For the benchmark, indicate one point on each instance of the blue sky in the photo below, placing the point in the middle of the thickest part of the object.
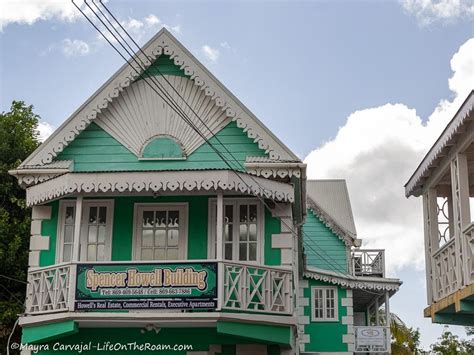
(323, 76)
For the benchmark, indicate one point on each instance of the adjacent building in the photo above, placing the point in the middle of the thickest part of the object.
(445, 179)
(165, 213)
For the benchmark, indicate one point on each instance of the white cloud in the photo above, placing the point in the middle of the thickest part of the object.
(152, 20)
(376, 151)
(30, 11)
(430, 11)
(74, 47)
(211, 53)
(45, 130)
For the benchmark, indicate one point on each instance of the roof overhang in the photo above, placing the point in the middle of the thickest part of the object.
(463, 117)
(158, 182)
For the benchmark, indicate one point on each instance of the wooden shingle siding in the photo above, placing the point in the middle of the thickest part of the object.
(95, 150)
(325, 250)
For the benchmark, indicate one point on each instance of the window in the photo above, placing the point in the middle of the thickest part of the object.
(324, 303)
(67, 216)
(243, 229)
(96, 230)
(160, 232)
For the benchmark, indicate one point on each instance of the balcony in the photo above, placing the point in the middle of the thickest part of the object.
(368, 262)
(161, 287)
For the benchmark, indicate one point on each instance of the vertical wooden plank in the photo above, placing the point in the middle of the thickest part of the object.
(430, 217)
(219, 248)
(77, 229)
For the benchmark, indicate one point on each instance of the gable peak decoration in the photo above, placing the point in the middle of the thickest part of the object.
(163, 43)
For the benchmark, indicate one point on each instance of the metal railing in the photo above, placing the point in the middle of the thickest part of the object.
(242, 287)
(372, 339)
(368, 262)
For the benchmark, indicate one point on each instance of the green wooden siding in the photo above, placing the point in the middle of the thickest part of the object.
(123, 228)
(163, 65)
(325, 336)
(96, 150)
(323, 248)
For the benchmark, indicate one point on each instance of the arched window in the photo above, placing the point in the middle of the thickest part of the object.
(162, 148)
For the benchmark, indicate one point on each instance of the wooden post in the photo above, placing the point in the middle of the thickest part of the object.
(219, 248)
(77, 229)
(430, 216)
(377, 320)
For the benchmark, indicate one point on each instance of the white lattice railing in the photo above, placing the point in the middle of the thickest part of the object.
(248, 288)
(257, 288)
(48, 289)
(368, 262)
(446, 278)
(372, 339)
(468, 253)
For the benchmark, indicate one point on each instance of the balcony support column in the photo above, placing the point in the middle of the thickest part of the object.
(77, 229)
(461, 213)
(219, 248)
(430, 216)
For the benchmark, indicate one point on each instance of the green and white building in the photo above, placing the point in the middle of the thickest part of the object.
(150, 230)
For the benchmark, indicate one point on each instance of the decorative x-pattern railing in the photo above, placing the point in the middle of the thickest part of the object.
(257, 288)
(469, 253)
(48, 289)
(445, 270)
(368, 262)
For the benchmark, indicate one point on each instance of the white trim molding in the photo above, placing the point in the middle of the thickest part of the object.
(353, 282)
(163, 43)
(161, 181)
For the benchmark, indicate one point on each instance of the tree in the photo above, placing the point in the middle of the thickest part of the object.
(450, 344)
(18, 138)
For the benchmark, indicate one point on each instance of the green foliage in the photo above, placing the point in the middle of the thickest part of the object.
(450, 344)
(18, 138)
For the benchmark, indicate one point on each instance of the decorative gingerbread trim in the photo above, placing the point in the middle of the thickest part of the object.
(162, 181)
(162, 43)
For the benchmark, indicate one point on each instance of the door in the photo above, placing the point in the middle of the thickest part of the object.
(96, 230)
(160, 232)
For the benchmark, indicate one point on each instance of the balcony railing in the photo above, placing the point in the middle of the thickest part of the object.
(368, 262)
(237, 286)
(372, 339)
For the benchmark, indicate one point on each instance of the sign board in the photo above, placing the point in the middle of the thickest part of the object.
(370, 336)
(146, 286)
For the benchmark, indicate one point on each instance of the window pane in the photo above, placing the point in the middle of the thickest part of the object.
(91, 252)
(67, 252)
(228, 233)
(68, 234)
(172, 254)
(147, 238)
(173, 238)
(253, 251)
(69, 215)
(229, 213)
(160, 218)
(102, 215)
(147, 254)
(242, 251)
(243, 232)
(92, 235)
(147, 218)
(101, 234)
(243, 213)
(253, 213)
(92, 215)
(173, 218)
(160, 237)
(160, 254)
(253, 232)
(101, 252)
(228, 251)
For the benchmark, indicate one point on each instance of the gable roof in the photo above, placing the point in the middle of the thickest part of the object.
(451, 134)
(329, 199)
(162, 43)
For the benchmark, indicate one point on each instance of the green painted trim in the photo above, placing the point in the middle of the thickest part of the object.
(48, 332)
(163, 65)
(454, 318)
(260, 332)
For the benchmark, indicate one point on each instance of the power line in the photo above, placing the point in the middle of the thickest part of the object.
(179, 110)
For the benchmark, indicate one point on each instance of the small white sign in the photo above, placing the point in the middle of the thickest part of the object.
(370, 336)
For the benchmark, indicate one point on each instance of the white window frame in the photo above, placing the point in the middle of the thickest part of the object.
(63, 204)
(109, 231)
(183, 242)
(211, 251)
(336, 304)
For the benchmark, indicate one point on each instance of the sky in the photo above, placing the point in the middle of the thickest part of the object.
(357, 89)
